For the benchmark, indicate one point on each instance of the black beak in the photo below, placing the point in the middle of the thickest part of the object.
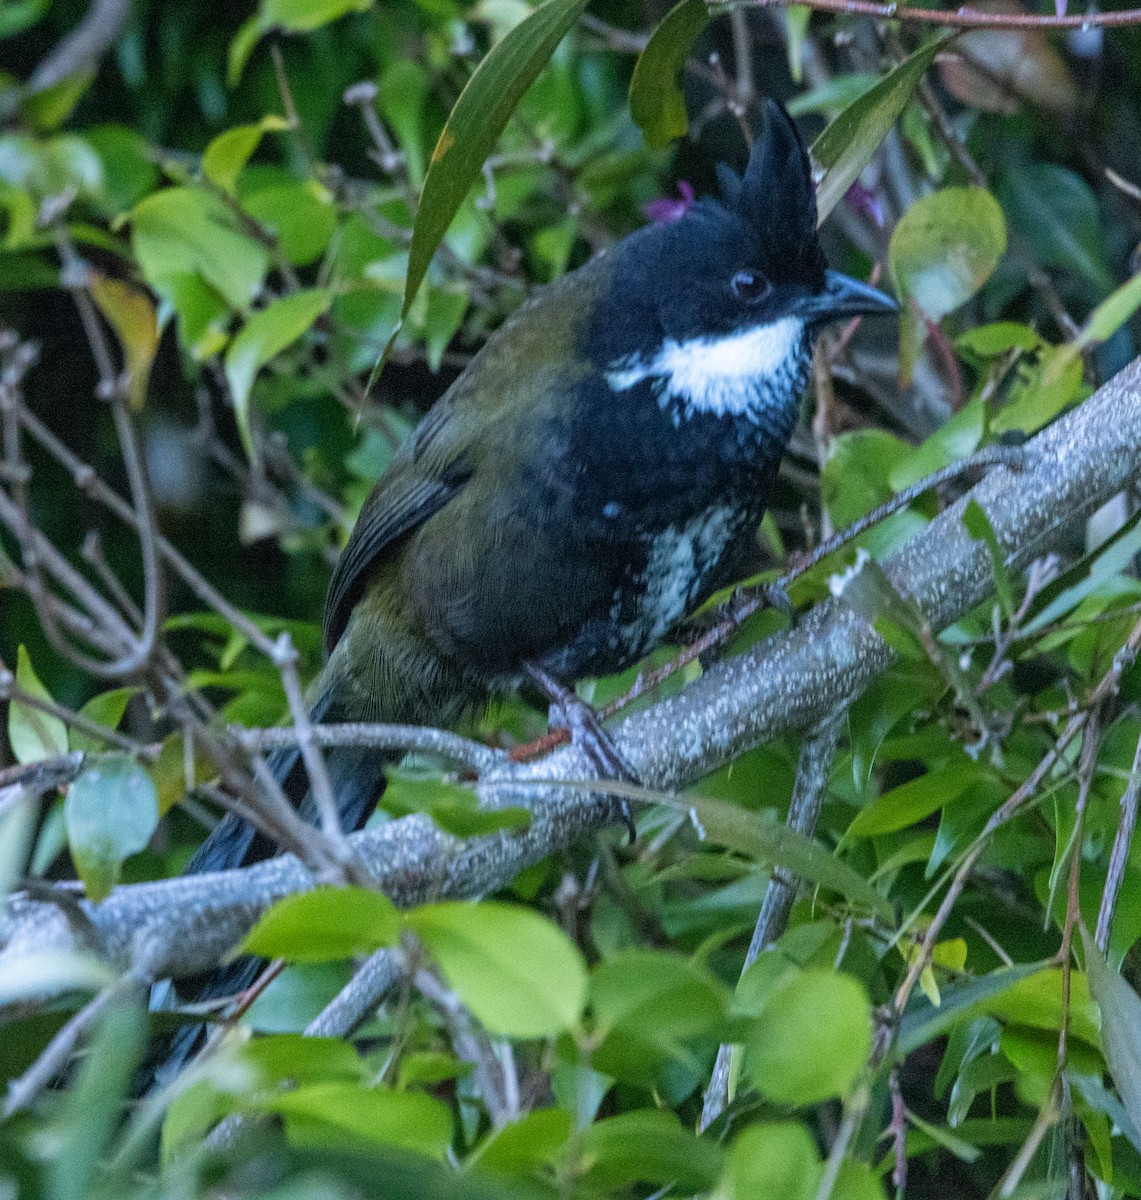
(844, 297)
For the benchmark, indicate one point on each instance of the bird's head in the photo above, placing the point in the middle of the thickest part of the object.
(733, 290)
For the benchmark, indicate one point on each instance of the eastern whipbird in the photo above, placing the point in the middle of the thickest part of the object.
(598, 470)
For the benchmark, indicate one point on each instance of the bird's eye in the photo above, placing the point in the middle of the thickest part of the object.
(750, 287)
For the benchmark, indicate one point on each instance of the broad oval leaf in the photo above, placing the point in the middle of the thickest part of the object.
(111, 811)
(182, 232)
(324, 925)
(1057, 214)
(519, 974)
(656, 102)
(945, 247)
(647, 1005)
(475, 123)
(771, 1160)
(846, 147)
(264, 335)
(320, 1114)
(812, 1038)
(648, 1146)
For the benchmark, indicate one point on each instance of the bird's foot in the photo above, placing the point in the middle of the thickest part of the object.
(586, 731)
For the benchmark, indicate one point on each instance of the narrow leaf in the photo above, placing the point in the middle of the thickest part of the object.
(846, 147)
(1120, 1008)
(478, 118)
(656, 101)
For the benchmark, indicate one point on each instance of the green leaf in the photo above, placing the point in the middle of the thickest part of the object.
(846, 147)
(32, 734)
(771, 1160)
(648, 1146)
(91, 1109)
(322, 1114)
(988, 341)
(106, 709)
(656, 102)
(18, 15)
(812, 1038)
(979, 527)
(956, 438)
(45, 974)
(1040, 391)
(403, 95)
(111, 811)
(303, 16)
(1120, 1009)
(454, 807)
(128, 170)
(526, 1145)
(323, 925)
(775, 844)
(519, 974)
(912, 801)
(475, 123)
(186, 231)
(646, 1005)
(943, 249)
(302, 216)
(295, 1058)
(263, 336)
(229, 152)
(1111, 314)
(923, 1022)
(1056, 213)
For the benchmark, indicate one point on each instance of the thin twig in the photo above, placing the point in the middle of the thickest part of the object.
(816, 754)
(1106, 688)
(961, 18)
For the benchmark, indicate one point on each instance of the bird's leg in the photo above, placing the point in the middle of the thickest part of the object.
(587, 733)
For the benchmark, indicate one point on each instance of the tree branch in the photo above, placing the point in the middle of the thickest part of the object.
(791, 681)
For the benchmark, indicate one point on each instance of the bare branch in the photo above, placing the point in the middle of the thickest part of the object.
(960, 18)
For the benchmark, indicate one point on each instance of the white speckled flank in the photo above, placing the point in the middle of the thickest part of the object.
(731, 376)
(680, 559)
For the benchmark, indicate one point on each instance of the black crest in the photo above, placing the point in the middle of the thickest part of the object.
(776, 195)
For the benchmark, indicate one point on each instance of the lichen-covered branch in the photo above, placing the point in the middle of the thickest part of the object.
(791, 681)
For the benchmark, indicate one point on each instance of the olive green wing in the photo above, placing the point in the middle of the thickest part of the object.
(481, 419)
(402, 500)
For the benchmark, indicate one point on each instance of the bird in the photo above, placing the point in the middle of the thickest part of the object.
(597, 471)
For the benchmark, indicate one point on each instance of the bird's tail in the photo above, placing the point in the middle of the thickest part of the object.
(357, 779)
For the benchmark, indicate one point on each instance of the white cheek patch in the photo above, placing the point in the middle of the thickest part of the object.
(724, 377)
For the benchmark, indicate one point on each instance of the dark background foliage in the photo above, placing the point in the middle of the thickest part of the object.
(558, 1039)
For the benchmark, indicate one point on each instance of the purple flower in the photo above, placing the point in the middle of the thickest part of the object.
(667, 209)
(865, 202)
